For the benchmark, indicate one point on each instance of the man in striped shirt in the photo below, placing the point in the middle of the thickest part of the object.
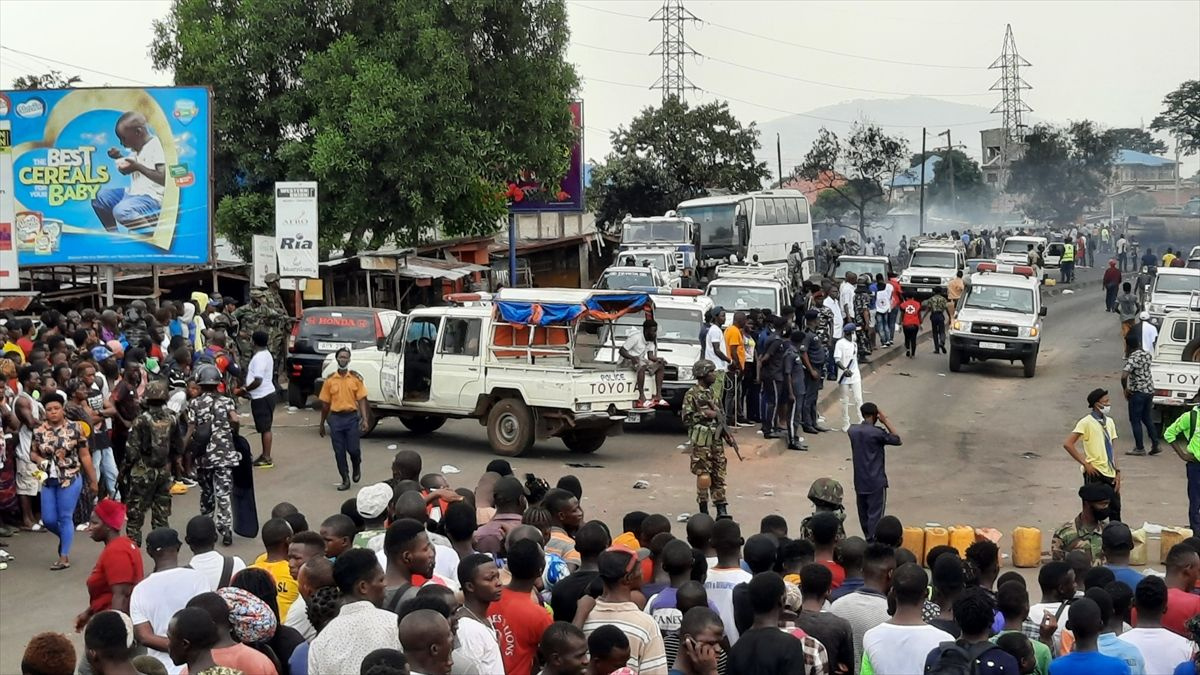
(621, 575)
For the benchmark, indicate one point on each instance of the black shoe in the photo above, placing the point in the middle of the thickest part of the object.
(801, 447)
(703, 508)
(227, 539)
(771, 436)
(723, 511)
(810, 430)
(357, 476)
(1154, 450)
(344, 485)
(1136, 452)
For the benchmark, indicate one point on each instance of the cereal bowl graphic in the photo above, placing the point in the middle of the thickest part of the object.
(29, 225)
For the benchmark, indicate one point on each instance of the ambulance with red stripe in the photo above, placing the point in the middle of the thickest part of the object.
(1000, 318)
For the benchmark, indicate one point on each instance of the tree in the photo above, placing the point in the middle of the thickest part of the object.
(864, 159)
(1136, 139)
(1181, 116)
(51, 80)
(970, 197)
(412, 114)
(674, 153)
(1063, 171)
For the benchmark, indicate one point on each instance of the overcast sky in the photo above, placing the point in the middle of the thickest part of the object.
(1107, 61)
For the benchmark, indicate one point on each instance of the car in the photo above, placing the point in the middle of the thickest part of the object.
(1000, 318)
(1015, 250)
(661, 259)
(933, 264)
(871, 265)
(321, 331)
(624, 277)
(1173, 288)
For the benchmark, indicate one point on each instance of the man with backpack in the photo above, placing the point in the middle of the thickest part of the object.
(1184, 436)
(973, 653)
(153, 444)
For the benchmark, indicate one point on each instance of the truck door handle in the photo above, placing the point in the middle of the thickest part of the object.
(472, 369)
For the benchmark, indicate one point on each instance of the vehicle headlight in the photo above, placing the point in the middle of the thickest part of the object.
(1027, 331)
(1155, 309)
(583, 407)
(904, 278)
(685, 372)
(964, 326)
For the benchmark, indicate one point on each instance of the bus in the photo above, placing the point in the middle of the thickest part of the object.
(740, 227)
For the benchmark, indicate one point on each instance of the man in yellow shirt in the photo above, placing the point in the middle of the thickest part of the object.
(1168, 257)
(276, 538)
(344, 407)
(1099, 458)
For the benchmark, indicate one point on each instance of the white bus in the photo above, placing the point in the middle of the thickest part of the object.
(763, 224)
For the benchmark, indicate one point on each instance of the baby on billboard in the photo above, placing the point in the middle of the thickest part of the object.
(136, 207)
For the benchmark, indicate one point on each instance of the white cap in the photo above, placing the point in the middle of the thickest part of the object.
(1144, 316)
(373, 499)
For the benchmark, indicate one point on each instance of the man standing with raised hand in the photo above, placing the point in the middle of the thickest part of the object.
(867, 443)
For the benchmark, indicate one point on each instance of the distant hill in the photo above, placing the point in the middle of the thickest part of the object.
(797, 132)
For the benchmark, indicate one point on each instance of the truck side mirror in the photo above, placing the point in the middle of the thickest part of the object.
(379, 342)
(1042, 312)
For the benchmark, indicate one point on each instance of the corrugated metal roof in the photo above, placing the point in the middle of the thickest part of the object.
(1140, 158)
(418, 267)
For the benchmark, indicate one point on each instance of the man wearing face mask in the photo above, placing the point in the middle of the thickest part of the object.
(1099, 457)
(344, 406)
(1085, 530)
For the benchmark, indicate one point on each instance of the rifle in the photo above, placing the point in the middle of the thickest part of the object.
(724, 432)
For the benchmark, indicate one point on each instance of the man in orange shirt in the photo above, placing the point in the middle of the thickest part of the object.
(735, 347)
(345, 396)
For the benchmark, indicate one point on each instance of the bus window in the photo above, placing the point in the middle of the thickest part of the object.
(767, 217)
(802, 211)
(793, 214)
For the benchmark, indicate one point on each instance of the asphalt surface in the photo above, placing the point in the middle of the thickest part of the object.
(982, 447)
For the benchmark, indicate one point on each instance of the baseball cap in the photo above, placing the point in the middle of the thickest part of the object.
(620, 561)
(100, 353)
(1117, 537)
(849, 328)
(1144, 316)
(372, 500)
(162, 537)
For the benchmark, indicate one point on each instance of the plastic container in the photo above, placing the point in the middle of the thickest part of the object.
(961, 537)
(1138, 555)
(935, 536)
(914, 542)
(1170, 537)
(1027, 547)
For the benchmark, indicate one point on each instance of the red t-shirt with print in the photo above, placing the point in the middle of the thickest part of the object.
(910, 313)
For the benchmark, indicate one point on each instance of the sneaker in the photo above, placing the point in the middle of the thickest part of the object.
(1137, 452)
(263, 462)
(178, 488)
(188, 481)
(1155, 450)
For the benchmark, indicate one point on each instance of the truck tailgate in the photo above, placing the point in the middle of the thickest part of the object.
(1174, 381)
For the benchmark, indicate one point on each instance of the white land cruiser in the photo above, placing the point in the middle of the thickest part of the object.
(624, 277)
(1175, 369)
(747, 287)
(523, 362)
(1173, 288)
(933, 264)
(661, 259)
(1000, 318)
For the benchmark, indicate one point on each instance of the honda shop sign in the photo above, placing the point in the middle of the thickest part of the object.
(296, 229)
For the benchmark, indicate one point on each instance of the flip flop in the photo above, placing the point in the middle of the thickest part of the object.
(59, 566)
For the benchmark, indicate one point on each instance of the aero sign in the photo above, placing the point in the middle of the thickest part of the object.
(296, 229)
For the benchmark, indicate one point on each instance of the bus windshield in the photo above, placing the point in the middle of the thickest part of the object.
(744, 297)
(945, 260)
(1001, 298)
(715, 222)
(671, 231)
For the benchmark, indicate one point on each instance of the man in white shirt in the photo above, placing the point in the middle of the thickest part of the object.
(1149, 332)
(157, 597)
(845, 358)
(201, 538)
(867, 607)
(640, 351)
(901, 644)
(714, 349)
(846, 294)
(726, 573)
(361, 626)
(135, 207)
(260, 385)
(1162, 649)
(832, 305)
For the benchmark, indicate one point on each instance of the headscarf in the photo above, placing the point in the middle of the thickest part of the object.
(111, 513)
(201, 300)
(251, 618)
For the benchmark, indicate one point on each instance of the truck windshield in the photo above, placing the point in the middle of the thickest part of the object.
(945, 260)
(655, 260)
(674, 324)
(1177, 283)
(675, 232)
(733, 298)
(1000, 298)
(1017, 245)
(620, 281)
(715, 222)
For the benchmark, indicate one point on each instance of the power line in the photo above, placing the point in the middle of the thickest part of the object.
(48, 60)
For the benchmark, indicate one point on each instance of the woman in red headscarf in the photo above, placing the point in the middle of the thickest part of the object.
(119, 567)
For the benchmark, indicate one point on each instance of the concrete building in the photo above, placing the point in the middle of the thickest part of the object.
(999, 152)
(1138, 169)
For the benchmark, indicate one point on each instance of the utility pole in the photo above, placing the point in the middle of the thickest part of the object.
(950, 165)
(921, 225)
(673, 49)
(779, 162)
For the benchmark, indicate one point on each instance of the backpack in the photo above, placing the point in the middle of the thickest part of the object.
(160, 437)
(955, 659)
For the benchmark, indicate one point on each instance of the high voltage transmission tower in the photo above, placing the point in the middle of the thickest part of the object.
(1010, 85)
(673, 49)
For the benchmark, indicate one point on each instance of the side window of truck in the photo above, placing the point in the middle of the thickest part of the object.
(395, 341)
(460, 337)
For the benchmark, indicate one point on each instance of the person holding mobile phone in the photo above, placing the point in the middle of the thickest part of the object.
(701, 634)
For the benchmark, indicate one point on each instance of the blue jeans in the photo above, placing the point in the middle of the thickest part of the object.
(1193, 479)
(106, 469)
(114, 206)
(58, 510)
(343, 433)
(884, 327)
(1140, 406)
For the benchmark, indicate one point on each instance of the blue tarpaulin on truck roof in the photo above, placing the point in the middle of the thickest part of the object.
(606, 307)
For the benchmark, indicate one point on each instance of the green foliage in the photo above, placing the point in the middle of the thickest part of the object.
(970, 196)
(865, 158)
(51, 80)
(1136, 139)
(1181, 116)
(412, 114)
(1063, 171)
(671, 154)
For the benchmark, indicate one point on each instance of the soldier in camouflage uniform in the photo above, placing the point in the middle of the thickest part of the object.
(152, 445)
(277, 335)
(701, 414)
(826, 495)
(1084, 532)
(215, 459)
(256, 316)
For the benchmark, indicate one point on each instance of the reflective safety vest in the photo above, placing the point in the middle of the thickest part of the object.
(1068, 254)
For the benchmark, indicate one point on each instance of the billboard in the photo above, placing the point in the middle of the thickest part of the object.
(111, 175)
(9, 276)
(296, 229)
(527, 194)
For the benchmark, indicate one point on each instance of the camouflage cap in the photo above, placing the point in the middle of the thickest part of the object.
(827, 490)
(157, 390)
(703, 367)
(271, 278)
(259, 293)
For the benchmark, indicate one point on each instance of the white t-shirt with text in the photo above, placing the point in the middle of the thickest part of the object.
(719, 586)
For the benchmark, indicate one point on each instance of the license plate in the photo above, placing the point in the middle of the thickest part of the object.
(633, 418)
(924, 290)
(993, 345)
(332, 346)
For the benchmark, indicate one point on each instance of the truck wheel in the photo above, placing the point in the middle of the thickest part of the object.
(955, 360)
(422, 424)
(296, 395)
(510, 427)
(1191, 351)
(372, 422)
(584, 442)
(1030, 364)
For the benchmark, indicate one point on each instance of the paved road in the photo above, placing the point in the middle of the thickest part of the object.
(981, 447)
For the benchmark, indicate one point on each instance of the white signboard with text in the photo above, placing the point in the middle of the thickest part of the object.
(264, 259)
(296, 229)
(10, 279)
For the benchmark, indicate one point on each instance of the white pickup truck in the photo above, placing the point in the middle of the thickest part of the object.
(1175, 369)
(523, 362)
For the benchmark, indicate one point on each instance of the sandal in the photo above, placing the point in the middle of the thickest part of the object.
(60, 565)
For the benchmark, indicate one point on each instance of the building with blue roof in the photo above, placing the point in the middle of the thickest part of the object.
(1138, 169)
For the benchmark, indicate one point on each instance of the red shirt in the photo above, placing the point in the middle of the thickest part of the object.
(519, 623)
(26, 346)
(119, 563)
(1181, 606)
(897, 292)
(1112, 277)
(839, 573)
(910, 313)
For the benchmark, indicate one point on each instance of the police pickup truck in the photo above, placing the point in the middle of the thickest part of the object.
(933, 264)
(1000, 318)
(522, 362)
(753, 286)
(1175, 367)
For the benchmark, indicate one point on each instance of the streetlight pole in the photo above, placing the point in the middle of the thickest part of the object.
(950, 164)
